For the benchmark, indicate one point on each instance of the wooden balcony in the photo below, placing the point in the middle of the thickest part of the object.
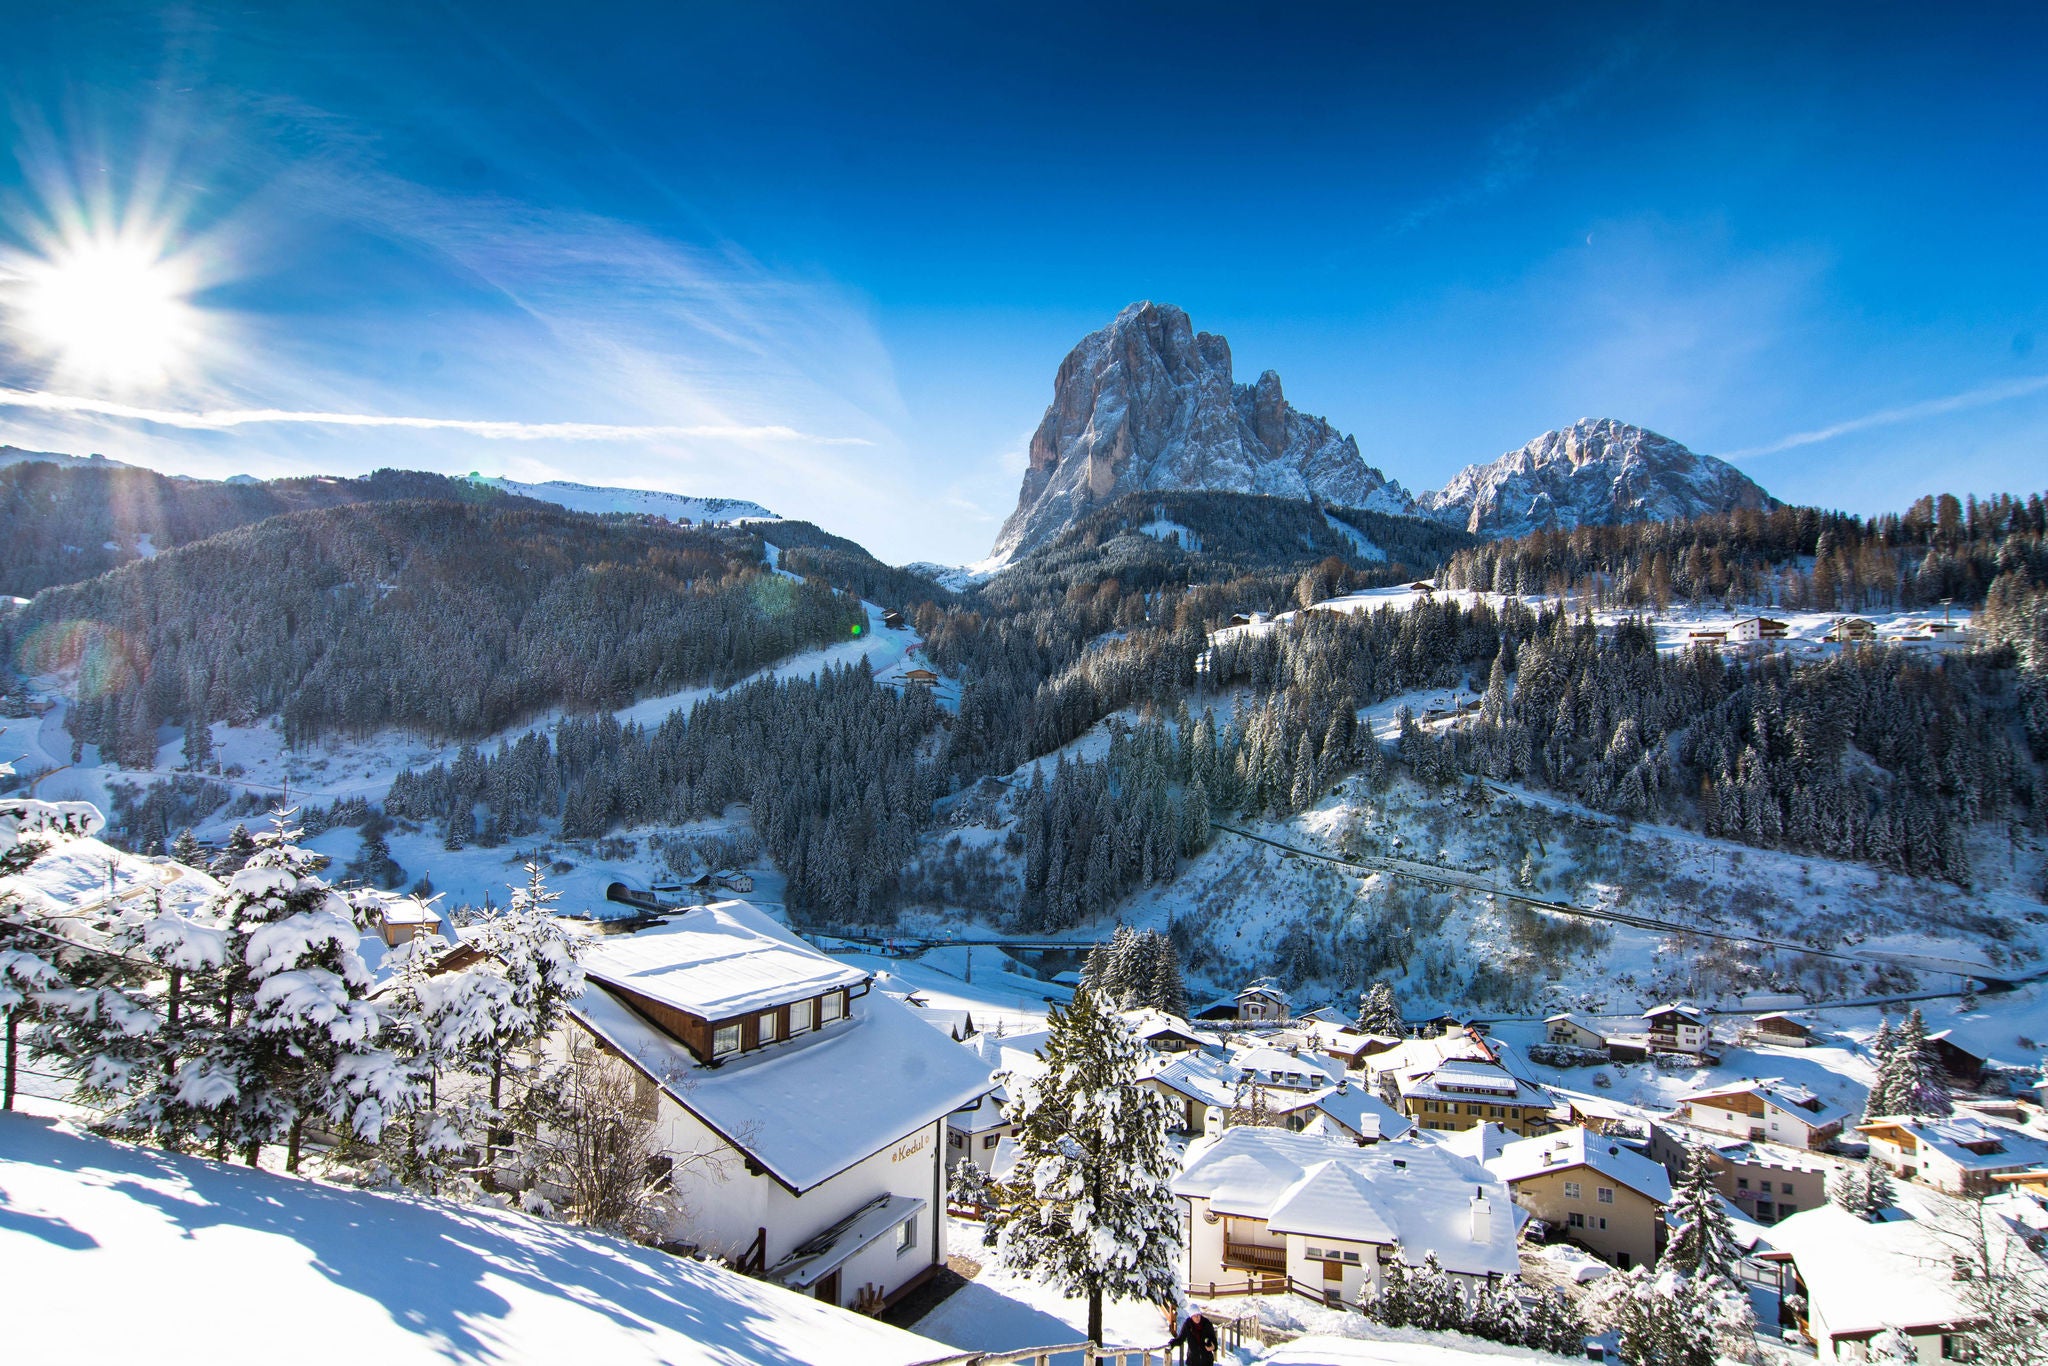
(1254, 1257)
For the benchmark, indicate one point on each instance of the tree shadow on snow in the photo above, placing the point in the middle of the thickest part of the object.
(429, 1263)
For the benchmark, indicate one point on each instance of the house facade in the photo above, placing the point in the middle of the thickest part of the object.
(1458, 1080)
(1603, 1196)
(1568, 1031)
(1768, 1111)
(1325, 1217)
(1677, 1028)
(1960, 1154)
(1262, 1002)
(805, 1116)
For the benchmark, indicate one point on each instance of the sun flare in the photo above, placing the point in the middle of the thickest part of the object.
(110, 309)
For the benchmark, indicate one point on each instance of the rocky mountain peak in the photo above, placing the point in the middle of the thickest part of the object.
(1596, 472)
(1150, 404)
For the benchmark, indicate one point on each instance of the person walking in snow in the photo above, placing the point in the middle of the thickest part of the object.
(1198, 1336)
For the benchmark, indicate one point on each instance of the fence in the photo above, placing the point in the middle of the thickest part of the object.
(1231, 1334)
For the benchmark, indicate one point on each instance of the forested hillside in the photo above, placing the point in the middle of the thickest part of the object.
(812, 552)
(69, 523)
(449, 619)
(1940, 548)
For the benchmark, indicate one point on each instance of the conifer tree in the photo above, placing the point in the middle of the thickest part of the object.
(1703, 1244)
(1395, 1304)
(235, 853)
(520, 992)
(1089, 1206)
(185, 849)
(299, 1037)
(1378, 1011)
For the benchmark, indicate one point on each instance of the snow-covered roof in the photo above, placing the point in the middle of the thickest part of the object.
(1418, 1195)
(1973, 1144)
(1265, 986)
(1575, 1147)
(1460, 1079)
(837, 1245)
(809, 1107)
(1362, 1112)
(1271, 1062)
(1203, 1079)
(1800, 1102)
(327, 1275)
(1899, 1271)
(717, 961)
(1150, 1024)
(1683, 1008)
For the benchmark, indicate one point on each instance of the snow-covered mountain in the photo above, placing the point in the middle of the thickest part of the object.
(15, 455)
(1596, 472)
(1149, 404)
(673, 506)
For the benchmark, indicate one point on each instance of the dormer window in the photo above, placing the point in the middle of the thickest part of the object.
(764, 1026)
(725, 1039)
(800, 1017)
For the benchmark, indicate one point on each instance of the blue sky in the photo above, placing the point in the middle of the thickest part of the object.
(829, 257)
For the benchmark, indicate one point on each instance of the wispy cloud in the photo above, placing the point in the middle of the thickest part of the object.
(1911, 412)
(218, 419)
(1514, 149)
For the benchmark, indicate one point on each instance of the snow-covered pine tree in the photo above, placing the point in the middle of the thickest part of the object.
(1882, 1046)
(234, 854)
(1845, 1189)
(301, 1039)
(1394, 1305)
(1921, 1085)
(1435, 1300)
(1089, 1206)
(1167, 989)
(1874, 1192)
(27, 952)
(1703, 1244)
(519, 993)
(1556, 1324)
(185, 849)
(1378, 1011)
(1500, 1315)
(1891, 1347)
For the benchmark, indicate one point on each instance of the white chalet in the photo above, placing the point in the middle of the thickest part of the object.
(1262, 1204)
(1900, 1272)
(1569, 1031)
(826, 1104)
(1767, 1109)
(1962, 1154)
(1262, 1002)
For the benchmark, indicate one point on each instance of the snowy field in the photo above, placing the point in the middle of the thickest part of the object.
(111, 1253)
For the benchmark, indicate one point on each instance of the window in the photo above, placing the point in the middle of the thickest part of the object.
(764, 1027)
(1785, 1209)
(1600, 1222)
(831, 1006)
(1956, 1347)
(1575, 1220)
(1571, 1190)
(906, 1235)
(1606, 1194)
(1785, 1186)
(991, 1140)
(1742, 1183)
(725, 1039)
(955, 1139)
(800, 1017)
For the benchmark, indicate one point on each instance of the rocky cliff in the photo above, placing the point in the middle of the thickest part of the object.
(1149, 404)
(1596, 472)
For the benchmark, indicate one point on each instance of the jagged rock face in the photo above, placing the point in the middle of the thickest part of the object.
(1149, 404)
(1596, 472)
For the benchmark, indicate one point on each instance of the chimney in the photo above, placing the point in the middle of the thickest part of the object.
(1482, 1216)
(1343, 1085)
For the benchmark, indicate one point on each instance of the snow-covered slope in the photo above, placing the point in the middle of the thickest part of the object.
(1596, 472)
(1149, 404)
(673, 506)
(115, 1253)
(15, 455)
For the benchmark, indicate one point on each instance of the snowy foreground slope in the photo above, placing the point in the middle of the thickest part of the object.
(116, 1253)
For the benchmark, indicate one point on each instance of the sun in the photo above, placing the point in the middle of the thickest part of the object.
(111, 309)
